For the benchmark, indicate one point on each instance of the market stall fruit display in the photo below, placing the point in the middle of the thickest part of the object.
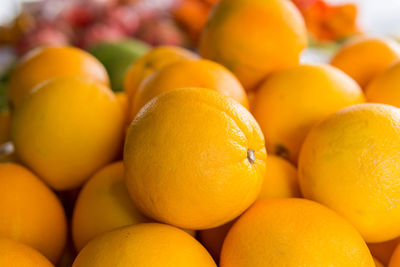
(198, 133)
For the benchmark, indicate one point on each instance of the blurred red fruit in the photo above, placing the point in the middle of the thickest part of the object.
(43, 34)
(126, 18)
(162, 31)
(101, 32)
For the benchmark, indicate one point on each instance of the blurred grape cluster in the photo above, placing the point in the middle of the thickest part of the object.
(85, 23)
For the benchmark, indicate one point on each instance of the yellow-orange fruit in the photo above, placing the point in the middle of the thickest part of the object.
(385, 87)
(154, 60)
(103, 205)
(16, 254)
(253, 38)
(291, 101)
(144, 245)
(66, 129)
(30, 212)
(189, 73)
(44, 63)
(349, 162)
(194, 158)
(280, 181)
(363, 58)
(293, 232)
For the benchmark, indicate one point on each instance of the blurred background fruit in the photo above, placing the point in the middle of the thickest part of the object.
(117, 57)
(363, 58)
(385, 87)
(329, 22)
(229, 38)
(84, 24)
(26, 25)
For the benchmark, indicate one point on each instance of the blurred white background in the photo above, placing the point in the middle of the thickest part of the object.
(377, 16)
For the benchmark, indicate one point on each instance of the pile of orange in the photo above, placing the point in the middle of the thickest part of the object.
(174, 171)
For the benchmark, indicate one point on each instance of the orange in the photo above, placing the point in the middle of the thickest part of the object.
(144, 245)
(384, 250)
(280, 182)
(16, 254)
(44, 63)
(385, 87)
(291, 101)
(395, 259)
(103, 205)
(194, 158)
(293, 232)
(253, 38)
(349, 162)
(194, 73)
(154, 60)
(363, 58)
(30, 212)
(281, 179)
(66, 129)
